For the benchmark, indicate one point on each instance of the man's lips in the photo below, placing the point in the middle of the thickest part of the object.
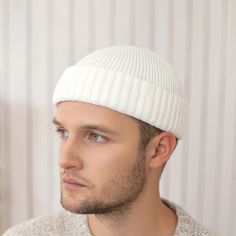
(72, 183)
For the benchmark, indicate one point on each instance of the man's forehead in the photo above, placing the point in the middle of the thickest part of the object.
(90, 115)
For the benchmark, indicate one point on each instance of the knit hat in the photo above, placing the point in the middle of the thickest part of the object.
(130, 80)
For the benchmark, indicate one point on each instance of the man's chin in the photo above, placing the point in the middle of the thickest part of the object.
(82, 209)
(71, 208)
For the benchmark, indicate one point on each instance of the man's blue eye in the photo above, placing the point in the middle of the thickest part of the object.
(62, 133)
(92, 136)
(97, 138)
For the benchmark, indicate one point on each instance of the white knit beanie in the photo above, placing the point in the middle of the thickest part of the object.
(130, 80)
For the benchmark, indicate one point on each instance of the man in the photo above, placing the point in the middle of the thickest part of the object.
(120, 113)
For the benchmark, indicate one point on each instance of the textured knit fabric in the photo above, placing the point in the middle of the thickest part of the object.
(130, 80)
(65, 223)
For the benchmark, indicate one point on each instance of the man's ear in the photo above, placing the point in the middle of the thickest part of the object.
(160, 149)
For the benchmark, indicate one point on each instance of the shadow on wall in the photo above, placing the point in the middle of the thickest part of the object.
(24, 147)
(4, 164)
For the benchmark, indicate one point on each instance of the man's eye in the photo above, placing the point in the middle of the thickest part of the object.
(97, 138)
(62, 133)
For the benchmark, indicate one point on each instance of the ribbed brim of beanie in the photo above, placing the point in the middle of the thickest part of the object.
(130, 80)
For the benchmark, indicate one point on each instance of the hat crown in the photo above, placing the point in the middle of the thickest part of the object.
(135, 61)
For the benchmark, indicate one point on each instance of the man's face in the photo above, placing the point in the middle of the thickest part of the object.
(102, 169)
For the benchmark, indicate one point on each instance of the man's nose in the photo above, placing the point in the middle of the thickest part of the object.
(70, 155)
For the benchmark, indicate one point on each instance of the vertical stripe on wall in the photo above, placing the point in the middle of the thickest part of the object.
(187, 89)
(230, 123)
(4, 113)
(232, 193)
(28, 77)
(151, 24)
(221, 113)
(71, 31)
(92, 36)
(204, 111)
(50, 76)
(132, 11)
(39, 39)
(112, 22)
(18, 111)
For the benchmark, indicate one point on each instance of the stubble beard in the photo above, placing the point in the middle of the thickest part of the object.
(116, 196)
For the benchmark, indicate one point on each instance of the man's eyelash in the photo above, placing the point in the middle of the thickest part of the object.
(97, 135)
(61, 132)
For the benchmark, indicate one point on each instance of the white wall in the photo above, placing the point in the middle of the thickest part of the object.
(40, 38)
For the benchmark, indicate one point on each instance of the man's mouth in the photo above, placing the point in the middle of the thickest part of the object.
(70, 183)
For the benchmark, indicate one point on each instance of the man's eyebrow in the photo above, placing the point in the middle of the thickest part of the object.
(101, 128)
(55, 121)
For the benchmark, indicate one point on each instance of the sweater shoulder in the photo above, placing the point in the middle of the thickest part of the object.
(59, 223)
(187, 225)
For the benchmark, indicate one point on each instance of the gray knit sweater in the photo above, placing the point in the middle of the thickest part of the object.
(65, 223)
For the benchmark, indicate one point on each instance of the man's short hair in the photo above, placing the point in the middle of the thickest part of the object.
(147, 132)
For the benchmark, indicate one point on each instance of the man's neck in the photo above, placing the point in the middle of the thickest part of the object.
(148, 215)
